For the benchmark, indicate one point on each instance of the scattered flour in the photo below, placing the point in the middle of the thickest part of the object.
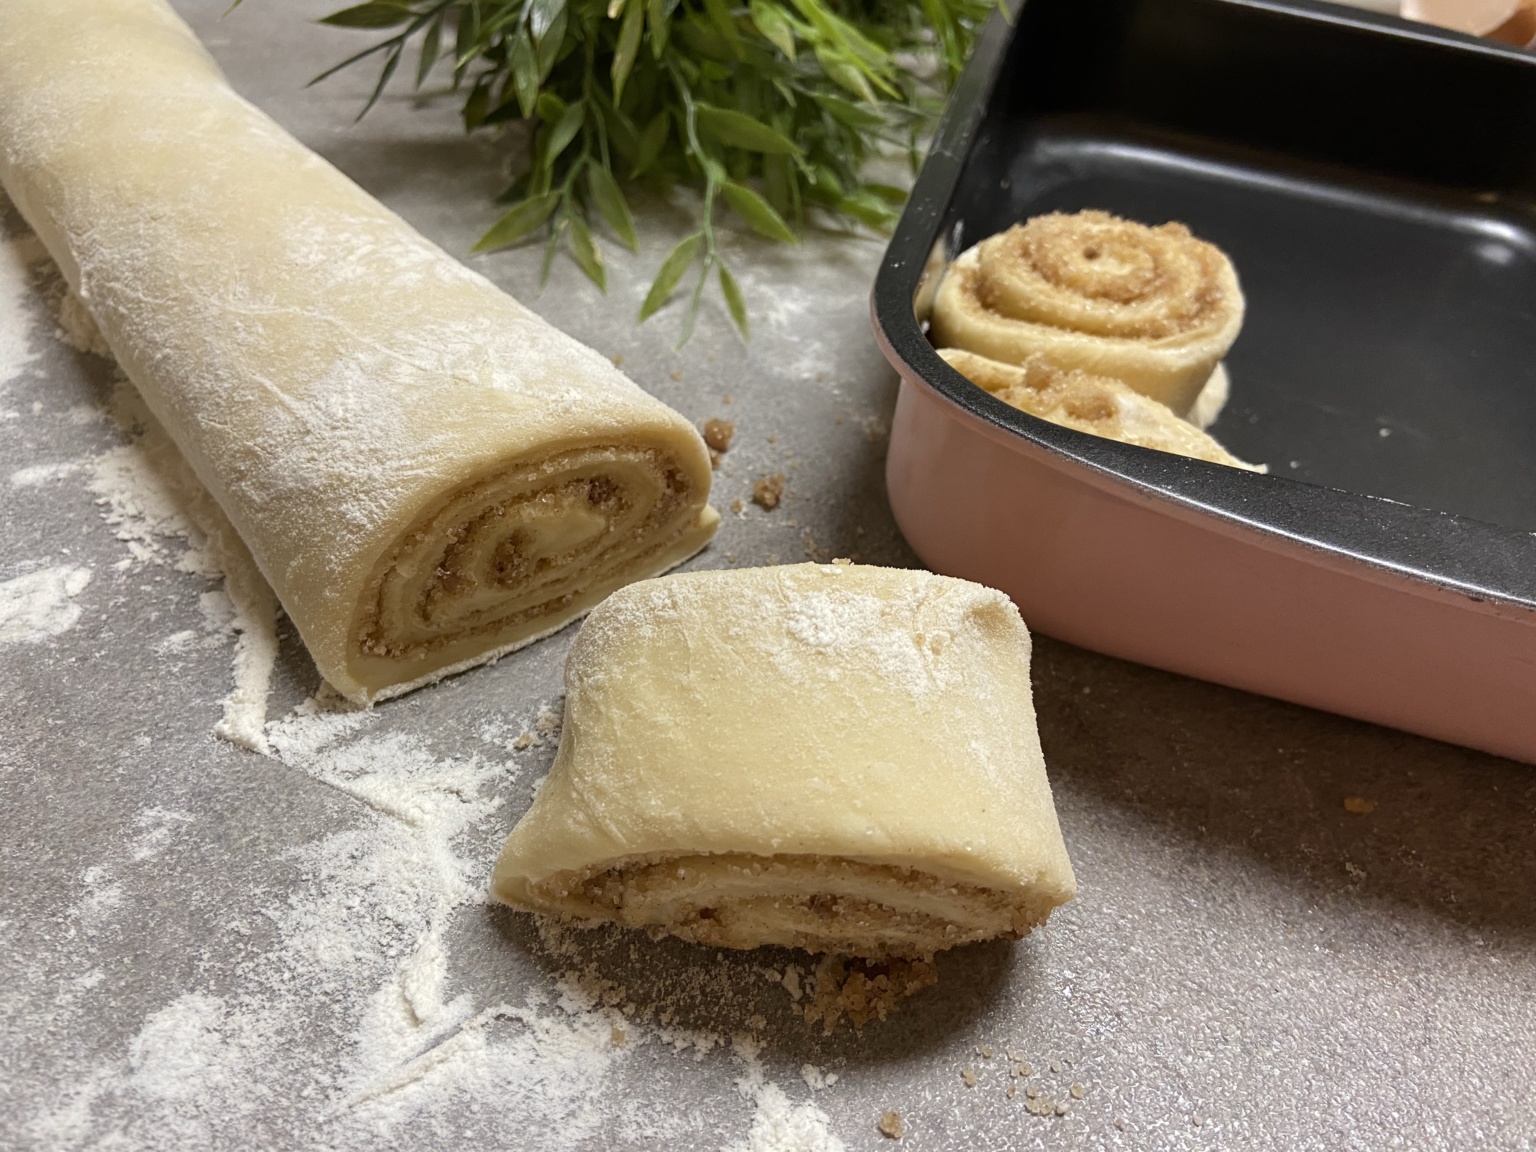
(147, 491)
(360, 952)
(150, 495)
(41, 604)
(778, 1124)
(39, 474)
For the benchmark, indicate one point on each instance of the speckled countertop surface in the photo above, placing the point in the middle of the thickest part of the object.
(203, 946)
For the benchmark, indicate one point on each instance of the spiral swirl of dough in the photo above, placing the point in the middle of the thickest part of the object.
(1153, 307)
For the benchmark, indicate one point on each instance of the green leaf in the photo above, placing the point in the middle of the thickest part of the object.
(629, 44)
(466, 44)
(477, 104)
(652, 140)
(525, 72)
(549, 107)
(693, 302)
(563, 131)
(549, 45)
(890, 193)
(551, 246)
(732, 293)
(673, 268)
(622, 137)
(659, 17)
(376, 14)
(720, 16)
(776, 29)
(391, 62)
(855, 116)
(758, 213)
(431, 50)
(844, 73)
(741, 131)
(868, 209)
(541, 16)
(609, 202)
(519, 222)
(587, 253)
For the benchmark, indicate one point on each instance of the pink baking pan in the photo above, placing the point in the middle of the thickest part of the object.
(1374, 182)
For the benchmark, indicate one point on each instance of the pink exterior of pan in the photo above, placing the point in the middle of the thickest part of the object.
(1093, 559)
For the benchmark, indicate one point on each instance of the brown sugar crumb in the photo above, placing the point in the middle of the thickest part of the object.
(677, 375)
(1022, 1069)
(768, 491)
(1077, 1091)
(618, 361)
(891, 1125)
(617, 1037)
(718, 433)
(969, 1076)
(863, 990)
(1013, 1090)
(984, 1051)
(736, 506)
(1359, 805)
(1040, 1105)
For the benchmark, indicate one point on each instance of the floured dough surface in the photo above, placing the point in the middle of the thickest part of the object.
(835, 757)
(426, 472)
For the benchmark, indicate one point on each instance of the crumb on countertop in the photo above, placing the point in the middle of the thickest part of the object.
(863, 990)
(891, 1125)
(718, 434)
(1359, 805)
(768, 491)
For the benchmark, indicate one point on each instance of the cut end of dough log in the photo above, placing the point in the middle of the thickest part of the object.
(506, 560)
(835, 757)
(818, 903)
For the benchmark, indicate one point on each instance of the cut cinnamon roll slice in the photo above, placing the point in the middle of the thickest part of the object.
(834, 757)
(1098, 405)
(1153, 307)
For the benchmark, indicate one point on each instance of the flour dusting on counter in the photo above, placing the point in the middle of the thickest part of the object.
(151, 497)
(41, 605)
(363, 951)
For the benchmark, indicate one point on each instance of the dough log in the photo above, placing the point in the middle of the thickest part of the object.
(834, 757)
(1153, 307)
(426, 472)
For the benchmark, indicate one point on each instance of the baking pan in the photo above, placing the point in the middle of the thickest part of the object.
(1374, 182)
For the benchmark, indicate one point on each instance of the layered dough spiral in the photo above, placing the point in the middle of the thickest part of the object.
(426, 472)
(1155, 308)
(834, 757)
(1098, 405)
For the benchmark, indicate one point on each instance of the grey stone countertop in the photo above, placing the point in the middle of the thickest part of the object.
(204, 946)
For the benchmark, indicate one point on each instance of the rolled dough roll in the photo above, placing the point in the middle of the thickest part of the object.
(1153, 307)
(835, 757)
(1098, 405)
(426, 472)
